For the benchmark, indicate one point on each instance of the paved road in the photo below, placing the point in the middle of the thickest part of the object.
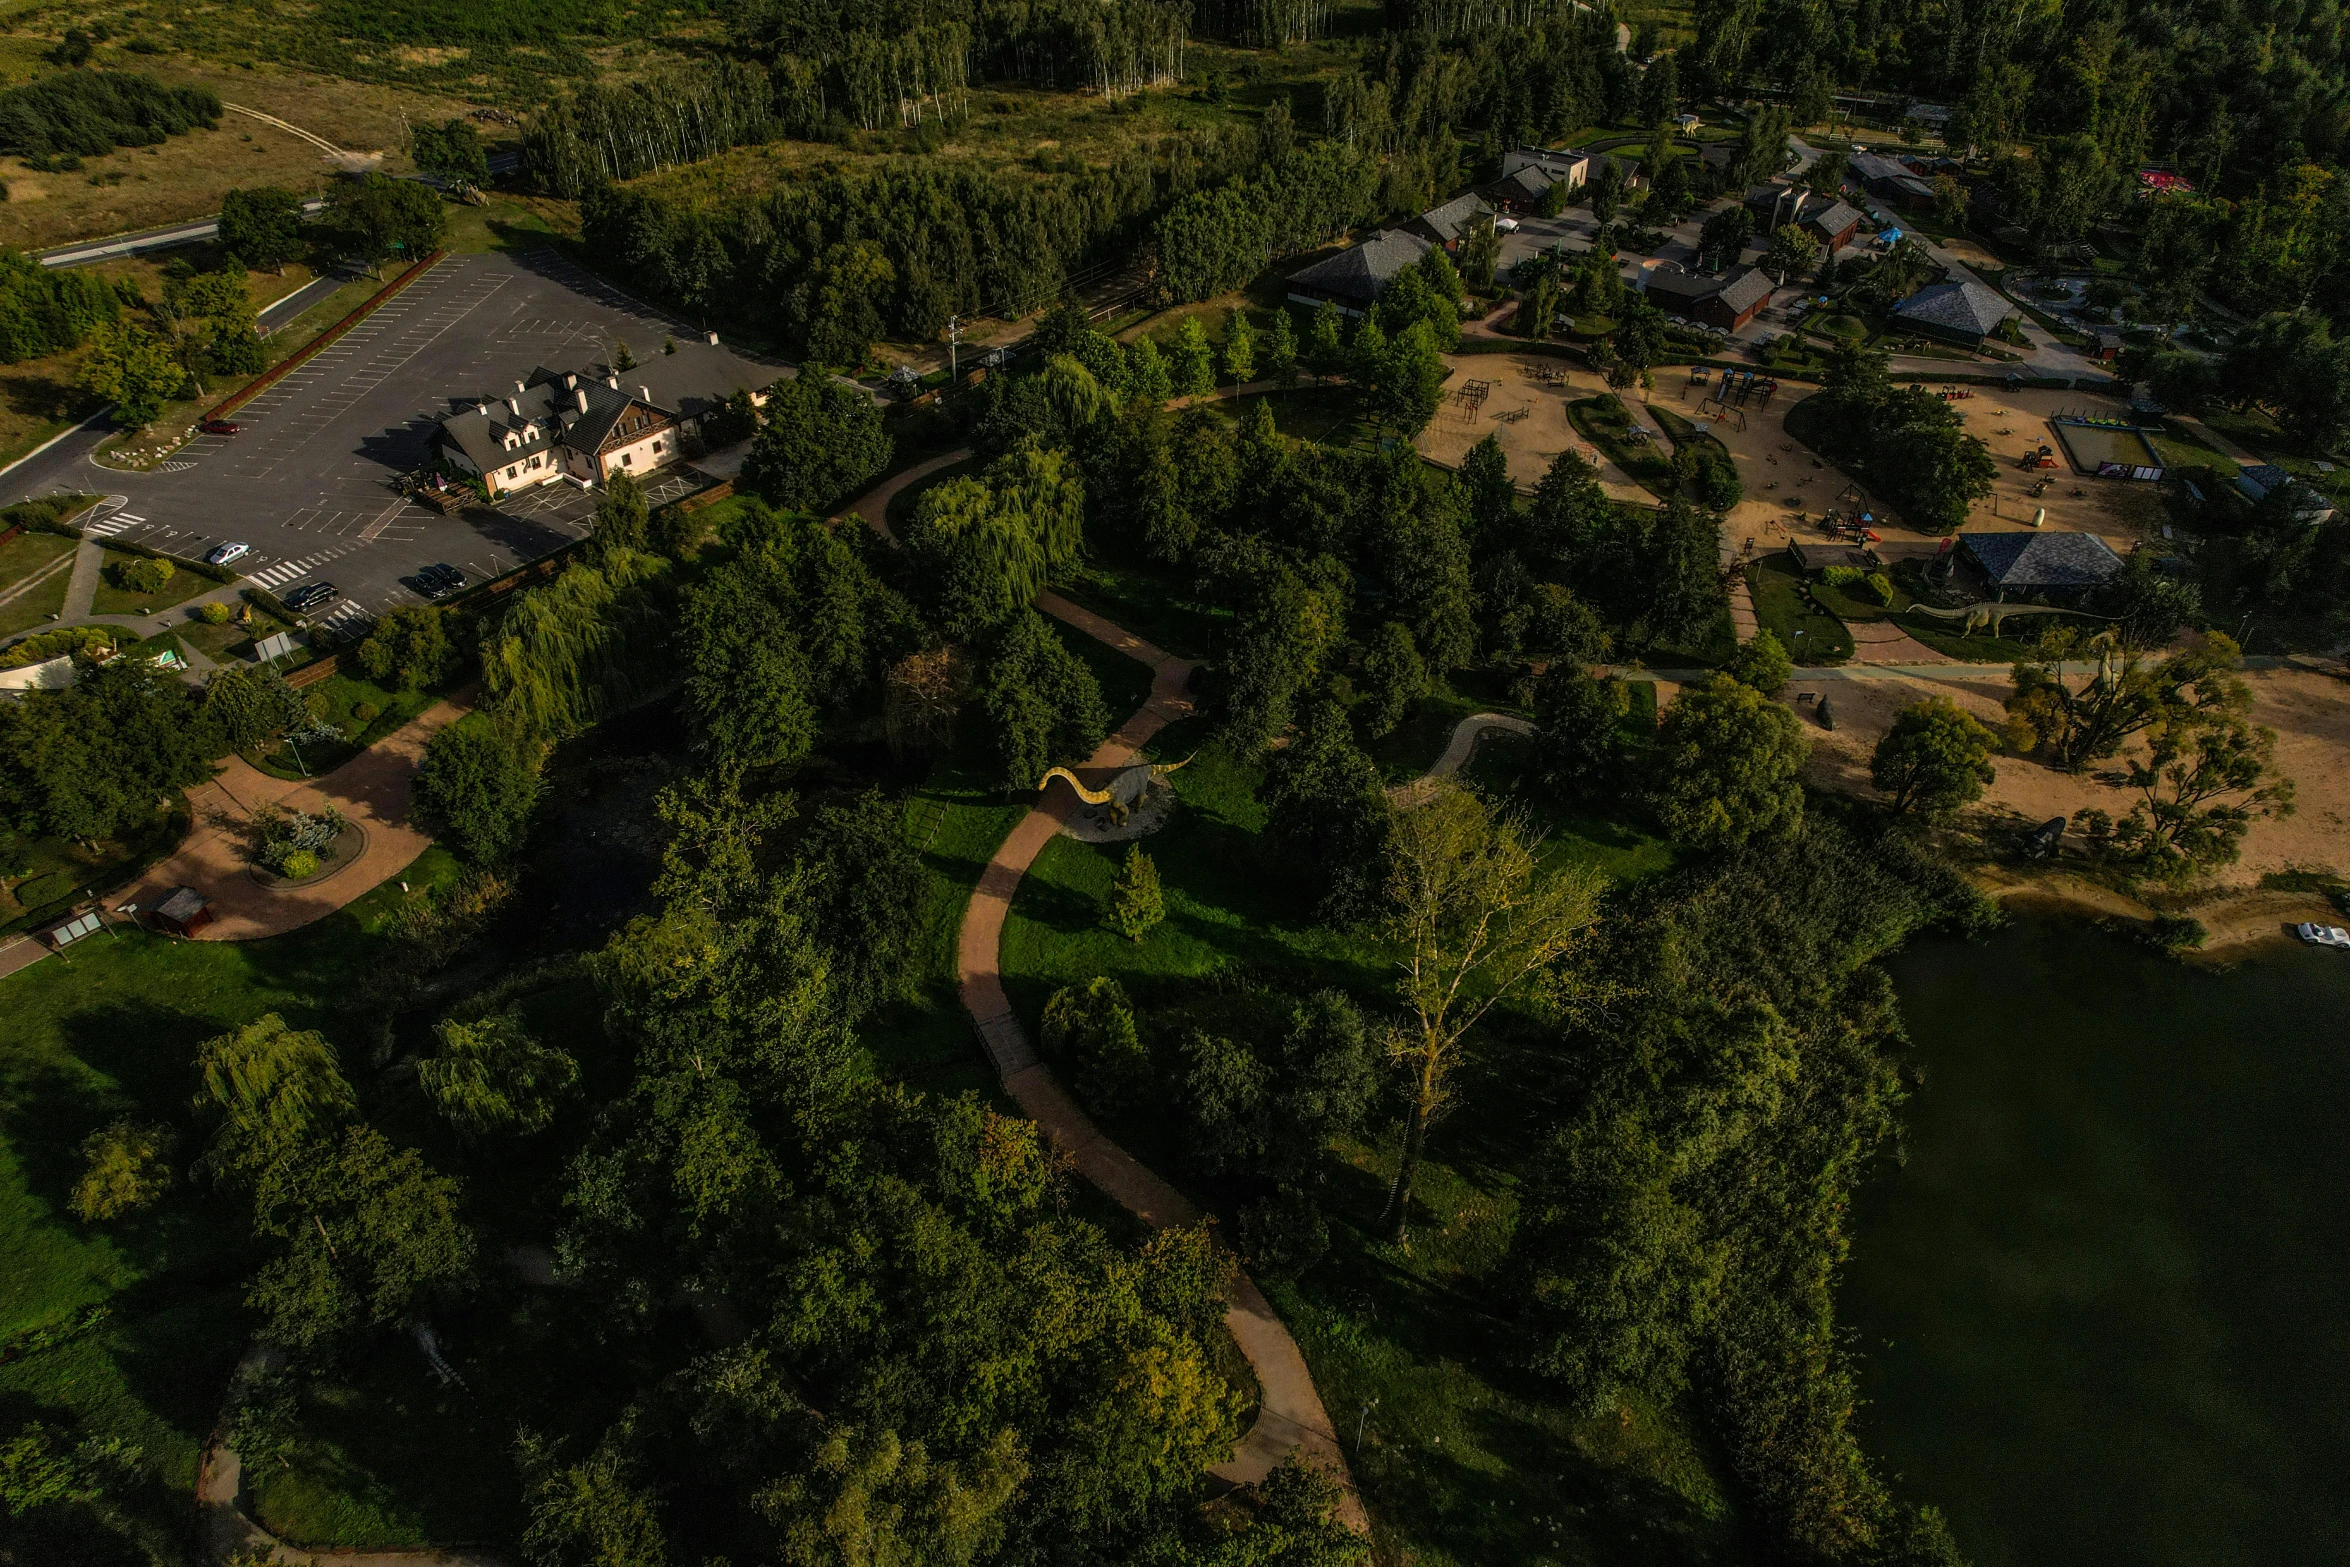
(171, 235)
(308, 485)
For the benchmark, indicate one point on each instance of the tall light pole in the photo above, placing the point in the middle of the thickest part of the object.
(954, 345)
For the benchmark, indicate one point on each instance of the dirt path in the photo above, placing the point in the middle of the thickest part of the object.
(372, 790)
(1290, 1413)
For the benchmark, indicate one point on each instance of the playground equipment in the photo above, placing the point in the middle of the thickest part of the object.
(1472, 397)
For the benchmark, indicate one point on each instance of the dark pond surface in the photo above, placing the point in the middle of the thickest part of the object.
(2104, 1309)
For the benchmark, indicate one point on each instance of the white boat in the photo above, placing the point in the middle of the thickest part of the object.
(2324, 935)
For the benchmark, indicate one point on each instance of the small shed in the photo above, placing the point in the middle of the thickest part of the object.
(1813, 558)
(184, 913)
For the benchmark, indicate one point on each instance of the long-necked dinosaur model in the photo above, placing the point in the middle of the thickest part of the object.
(1977, 616)
(1125, 787)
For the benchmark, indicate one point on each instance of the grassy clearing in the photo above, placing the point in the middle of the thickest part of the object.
(1604, 422)
(1810, 634)
(106, 1029)
(35, 603)
(40, 877)
(114, 600)
(341, 697)
(1155, 606)
(1461, 1459)
(956, 820)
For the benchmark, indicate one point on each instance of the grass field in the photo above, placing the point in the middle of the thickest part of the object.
(32, 580)
(341, 695)
(115, 600)
(111, 1028)
(1460, 1459)
(1810, 635)
(1608, 428)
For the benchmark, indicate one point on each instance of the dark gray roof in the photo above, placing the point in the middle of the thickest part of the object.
(1875, 166)
(1678, 284)
(1957, 307)
(1456, 216)
(1360, 272)
(2042, 560)
(1533, 179)
(1834, 219)
(1745, 286)
(2266, 476)
(183, 905)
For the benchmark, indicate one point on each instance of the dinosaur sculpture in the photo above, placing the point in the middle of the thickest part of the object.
(1978, 616)
(1126, 787)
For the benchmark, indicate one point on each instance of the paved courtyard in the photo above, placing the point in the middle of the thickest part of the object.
(308, 484)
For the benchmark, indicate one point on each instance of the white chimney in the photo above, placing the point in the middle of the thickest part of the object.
(644, 394)
(613, 380)
(581, 394)
(570, 381)
(520, 388)
(713, 340)
(481, 408)
(514, 406)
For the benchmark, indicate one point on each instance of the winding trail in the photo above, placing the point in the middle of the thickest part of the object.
(1289, 1412)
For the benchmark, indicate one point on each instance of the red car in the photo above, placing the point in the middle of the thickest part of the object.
(220, 427)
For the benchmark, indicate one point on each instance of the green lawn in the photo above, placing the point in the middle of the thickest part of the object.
(1156, 606)
(1810, 635)
(20, 559)
(1462, 1459)
(342, 696)
(108, 1028)
(217, 642)
(112, 600)
(1607, 427)
(27, 553)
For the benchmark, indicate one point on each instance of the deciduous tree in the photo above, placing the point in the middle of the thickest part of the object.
(1475, 919)
(1726, 765)
(1935, 759)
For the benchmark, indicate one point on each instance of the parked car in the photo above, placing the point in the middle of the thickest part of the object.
(2323, 935)
(1505, 225)
(222, 554)
(438, 580)
(220, 427)
(310, 595)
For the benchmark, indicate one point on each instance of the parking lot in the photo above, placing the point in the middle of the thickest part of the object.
(309, 481)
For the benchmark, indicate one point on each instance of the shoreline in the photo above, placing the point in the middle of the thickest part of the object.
(2236, 918)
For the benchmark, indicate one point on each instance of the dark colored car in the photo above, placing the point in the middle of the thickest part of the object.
(440, 580)
(308, 597)
(220, 427)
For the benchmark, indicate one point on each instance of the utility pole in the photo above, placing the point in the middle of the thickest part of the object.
(954, 346)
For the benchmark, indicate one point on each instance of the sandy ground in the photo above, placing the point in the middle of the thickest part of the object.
(2309, 711)
(1785, 483)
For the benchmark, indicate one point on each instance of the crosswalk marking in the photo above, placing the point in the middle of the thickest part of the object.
(113, 525)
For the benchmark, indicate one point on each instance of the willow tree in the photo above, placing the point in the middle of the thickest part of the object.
(592, 642)
(1477, 919)
(277, 1090)
(490, 1075)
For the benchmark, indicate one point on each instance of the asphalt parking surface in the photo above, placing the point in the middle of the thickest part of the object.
(308, 483)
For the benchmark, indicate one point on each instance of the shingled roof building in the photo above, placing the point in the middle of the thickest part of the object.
(2060, 567)
(1451, 223)
(1960, 312)
(573, 424)
(1728, 301)
(1354, 279)
(1527, 174)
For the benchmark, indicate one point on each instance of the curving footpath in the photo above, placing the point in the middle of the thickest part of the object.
(1289, 1411)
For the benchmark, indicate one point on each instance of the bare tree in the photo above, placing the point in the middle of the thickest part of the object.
(1477, 918)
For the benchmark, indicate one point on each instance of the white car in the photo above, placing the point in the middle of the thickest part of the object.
(2324, 935)
(1505, 225)
(222, 554)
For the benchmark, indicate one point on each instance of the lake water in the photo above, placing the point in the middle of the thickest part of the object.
(2104, 1309)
